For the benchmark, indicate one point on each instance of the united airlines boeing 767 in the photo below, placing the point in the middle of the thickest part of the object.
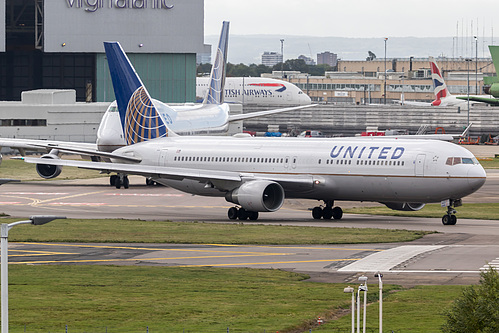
(257, 174)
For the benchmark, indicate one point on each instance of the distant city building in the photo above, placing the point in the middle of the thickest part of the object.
(309, 61)
(327, 58)
(270, 59)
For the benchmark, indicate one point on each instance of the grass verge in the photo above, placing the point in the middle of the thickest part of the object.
(172, 299)
(136, 231)
(481, 211)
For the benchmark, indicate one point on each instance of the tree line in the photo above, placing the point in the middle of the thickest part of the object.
(253, 70)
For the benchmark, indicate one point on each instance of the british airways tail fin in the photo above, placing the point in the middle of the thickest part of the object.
(215, 93)
(439, 87)
(139, 117)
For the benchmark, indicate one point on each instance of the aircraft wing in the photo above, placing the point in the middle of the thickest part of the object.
(202, 175)
(437, 136)
(414, 103)
(267, 112)
(488, 100)
(143, 170)
(83, 149)
(24, 145)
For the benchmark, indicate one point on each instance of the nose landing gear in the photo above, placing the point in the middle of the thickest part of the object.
(450, 218)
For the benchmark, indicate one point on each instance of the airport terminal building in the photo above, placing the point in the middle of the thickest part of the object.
(57, 44)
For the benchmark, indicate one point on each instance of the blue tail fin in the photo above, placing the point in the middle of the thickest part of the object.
(139, 117)
(215, 94)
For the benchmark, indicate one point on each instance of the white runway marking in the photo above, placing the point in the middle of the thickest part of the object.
(386, 260)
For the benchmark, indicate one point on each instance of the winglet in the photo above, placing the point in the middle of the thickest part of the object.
(466, 130)
(139, 117)
(215, 93)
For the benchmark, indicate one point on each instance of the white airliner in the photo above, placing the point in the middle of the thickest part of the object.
(257, 90)
(443, 97)
(210, 117)
(257, 174)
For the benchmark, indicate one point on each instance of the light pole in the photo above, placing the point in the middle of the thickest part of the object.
(351, 291)
(379, 276)
(282, 61)
(468, 92)
(476, 65)
(362, 287)
(384, 90)
(35, 220)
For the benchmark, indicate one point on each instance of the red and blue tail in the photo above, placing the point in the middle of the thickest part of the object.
(439, 87)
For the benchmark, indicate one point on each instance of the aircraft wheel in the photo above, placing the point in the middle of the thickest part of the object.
(242, 214)
(337, 213)
(317, 213)
(112, 180)
(117, 182)
(232, 213)
(126, 182)
(449, 219)
(253, 216)
(327, 213)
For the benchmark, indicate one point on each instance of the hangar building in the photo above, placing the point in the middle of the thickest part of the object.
(57, 44)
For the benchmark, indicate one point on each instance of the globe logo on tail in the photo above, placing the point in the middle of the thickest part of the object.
(142, 120)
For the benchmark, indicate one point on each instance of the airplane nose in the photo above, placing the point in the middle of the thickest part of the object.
(476, 177)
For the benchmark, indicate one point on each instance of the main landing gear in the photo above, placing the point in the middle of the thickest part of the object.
(327, 212)
(242, 214)
(450, 218)
(119, 180)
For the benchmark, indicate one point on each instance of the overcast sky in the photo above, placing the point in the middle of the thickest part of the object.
(353, 18)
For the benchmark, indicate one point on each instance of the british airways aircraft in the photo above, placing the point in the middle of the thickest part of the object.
(257, 174)
(257, 90)
(443, 97)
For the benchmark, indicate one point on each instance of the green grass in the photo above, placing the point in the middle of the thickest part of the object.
(173, 299)
(17, 169)
(492, 163)
(419, 309)
(137, 231)
(481, 211)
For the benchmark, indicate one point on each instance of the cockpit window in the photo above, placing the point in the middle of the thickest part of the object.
(461, 160)
(113, 109)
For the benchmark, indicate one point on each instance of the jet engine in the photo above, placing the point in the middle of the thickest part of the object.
(258, 196)
(49, 171)
(405, 206)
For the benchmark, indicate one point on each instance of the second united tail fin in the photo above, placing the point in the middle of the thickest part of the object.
(439, 87)
(139, 117)
(215, 93)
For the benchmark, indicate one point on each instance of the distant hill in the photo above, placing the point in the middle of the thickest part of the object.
(247, 49)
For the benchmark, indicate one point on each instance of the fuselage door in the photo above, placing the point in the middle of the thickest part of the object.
(419, 166)
(163, 154)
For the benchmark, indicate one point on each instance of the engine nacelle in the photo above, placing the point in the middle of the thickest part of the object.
(49, 171)
(405, 206)
(258, 196)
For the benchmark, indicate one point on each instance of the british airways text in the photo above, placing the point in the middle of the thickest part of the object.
(382, 153)
(237, 92)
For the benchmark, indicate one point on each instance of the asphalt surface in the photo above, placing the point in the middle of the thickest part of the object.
(455, 255)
